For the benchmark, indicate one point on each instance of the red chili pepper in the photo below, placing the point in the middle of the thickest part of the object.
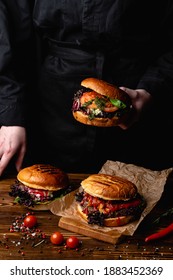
(160, 233)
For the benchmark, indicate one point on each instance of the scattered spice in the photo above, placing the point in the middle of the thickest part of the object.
(168, 213)
(18, 225)
(31, 235)
(26, 234)
(35, 245)
(156, 249)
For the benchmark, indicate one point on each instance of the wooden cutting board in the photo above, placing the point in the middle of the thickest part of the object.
(73, 225)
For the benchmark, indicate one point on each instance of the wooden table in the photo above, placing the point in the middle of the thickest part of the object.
(21, 246)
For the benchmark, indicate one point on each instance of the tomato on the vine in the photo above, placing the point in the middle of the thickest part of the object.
(72, 242)
(57, 238)
(30, 221)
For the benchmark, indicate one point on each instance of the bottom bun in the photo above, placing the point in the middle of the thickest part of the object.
(110, 222)
(118, 221)
(105, 122)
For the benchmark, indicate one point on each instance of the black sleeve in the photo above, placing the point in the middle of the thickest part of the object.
(15, 35)
(158, 79)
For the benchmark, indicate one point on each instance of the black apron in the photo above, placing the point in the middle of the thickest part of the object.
(61, 139)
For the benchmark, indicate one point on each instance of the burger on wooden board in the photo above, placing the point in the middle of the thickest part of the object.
(38, 185)
(109, 201)
(99, 103)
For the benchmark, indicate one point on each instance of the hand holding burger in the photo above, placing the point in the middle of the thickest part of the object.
(141, 102)
(99, 103)
(109, 201)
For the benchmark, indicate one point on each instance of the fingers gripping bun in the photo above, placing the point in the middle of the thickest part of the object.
(109, 187)
(43, 176)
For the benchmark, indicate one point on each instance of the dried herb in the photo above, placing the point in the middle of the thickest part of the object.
(168, 213)
(160, 234)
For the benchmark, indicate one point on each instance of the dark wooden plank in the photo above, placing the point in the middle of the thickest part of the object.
(15, 245)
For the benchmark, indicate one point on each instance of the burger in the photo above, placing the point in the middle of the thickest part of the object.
(38, 185)
(99, 103)
(109, 201)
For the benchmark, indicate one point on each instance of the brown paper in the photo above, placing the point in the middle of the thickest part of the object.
(150, 185)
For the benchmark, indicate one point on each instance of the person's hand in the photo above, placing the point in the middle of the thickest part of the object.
(141, 100)
(12, 142)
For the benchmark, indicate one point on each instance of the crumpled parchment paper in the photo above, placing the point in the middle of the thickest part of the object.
(150, 185)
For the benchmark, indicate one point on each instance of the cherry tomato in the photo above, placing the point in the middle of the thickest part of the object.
(30, 221)
(57, 238)
(72, 242)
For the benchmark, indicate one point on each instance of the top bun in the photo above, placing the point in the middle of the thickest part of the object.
(109, 187)
(43, 176)
(106, 89)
